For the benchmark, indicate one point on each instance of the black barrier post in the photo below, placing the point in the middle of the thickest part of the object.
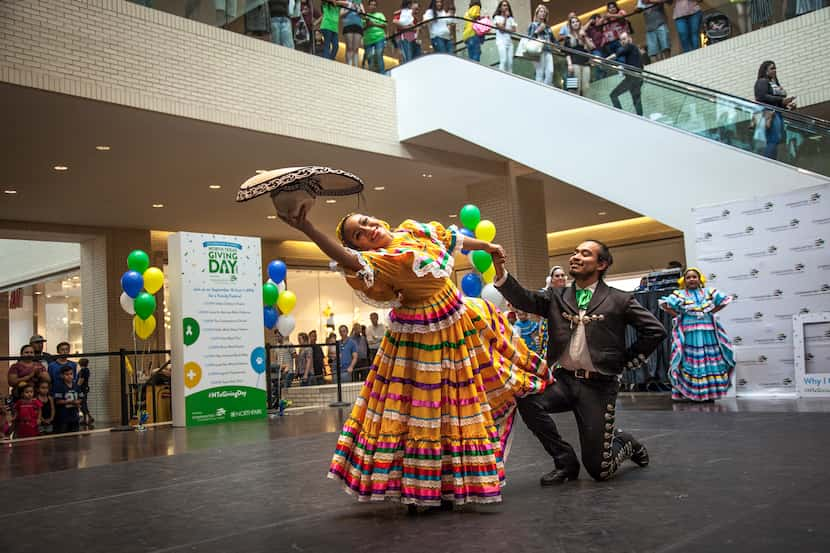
(125, 417)
(269, 404)
(336, 369)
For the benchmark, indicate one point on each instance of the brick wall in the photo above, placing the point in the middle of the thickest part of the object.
(732, 66)
(119, 52)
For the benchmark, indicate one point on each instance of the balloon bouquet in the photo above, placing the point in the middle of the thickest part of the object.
(139, 286)
(278, 302)
(479, 283)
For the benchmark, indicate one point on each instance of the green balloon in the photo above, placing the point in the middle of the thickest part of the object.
(270, 293)
(470, 216)
(144, 305)
(138, 261)
(481, 260)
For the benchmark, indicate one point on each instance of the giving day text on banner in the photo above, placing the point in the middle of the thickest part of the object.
(217, 331)
(771, 253)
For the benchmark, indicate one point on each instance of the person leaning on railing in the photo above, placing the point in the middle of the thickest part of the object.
(505, 25)
(439, 31)
(632, 83)
(769, 91)
(469, 35)
(578, 65)
(405, 21)
(374, 37)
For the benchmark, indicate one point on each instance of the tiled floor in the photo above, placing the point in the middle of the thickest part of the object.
(732, 476)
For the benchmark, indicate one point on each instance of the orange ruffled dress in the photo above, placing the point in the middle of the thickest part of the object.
(433, 418)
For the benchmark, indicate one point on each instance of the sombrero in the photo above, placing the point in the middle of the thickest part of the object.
(313, 180)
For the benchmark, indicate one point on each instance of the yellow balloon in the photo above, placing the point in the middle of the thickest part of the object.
(153, 280)
(489, 275)
(144, 329)
(486, 230)
(286, 302)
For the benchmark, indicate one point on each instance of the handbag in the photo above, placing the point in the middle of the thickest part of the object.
(482, 26)
(571, 83)
(301, 34)
(530, 49)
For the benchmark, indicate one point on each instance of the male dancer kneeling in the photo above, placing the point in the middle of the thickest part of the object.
(587, 344)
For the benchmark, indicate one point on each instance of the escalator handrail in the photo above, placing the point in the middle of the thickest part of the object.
(668, 82)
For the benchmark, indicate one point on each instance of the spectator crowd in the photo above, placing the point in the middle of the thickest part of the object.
(47, 393)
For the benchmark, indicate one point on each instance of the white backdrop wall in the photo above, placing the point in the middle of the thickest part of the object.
(773, 254)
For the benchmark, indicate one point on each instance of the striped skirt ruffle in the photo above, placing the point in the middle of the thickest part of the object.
(434, 416)
(701, 359)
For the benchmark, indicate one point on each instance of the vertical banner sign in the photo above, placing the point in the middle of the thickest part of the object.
(217, 330)
(773, 254)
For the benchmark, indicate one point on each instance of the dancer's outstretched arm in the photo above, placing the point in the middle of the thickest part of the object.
(474, 244)
(329, 245)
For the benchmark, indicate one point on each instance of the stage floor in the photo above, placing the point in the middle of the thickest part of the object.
(738, 476)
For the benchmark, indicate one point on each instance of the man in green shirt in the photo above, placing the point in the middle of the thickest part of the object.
(374, 37)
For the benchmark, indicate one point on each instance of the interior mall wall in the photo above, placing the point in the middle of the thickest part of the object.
(732, 66)
(119, 52)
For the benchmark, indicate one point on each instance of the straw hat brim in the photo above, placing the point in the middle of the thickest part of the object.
(316, 180)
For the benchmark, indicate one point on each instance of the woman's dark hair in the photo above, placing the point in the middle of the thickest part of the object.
(434, 8)
(475, 3)
(405, 4)
(24, 346)
(762, 71)
(498, 8)
(604, 254)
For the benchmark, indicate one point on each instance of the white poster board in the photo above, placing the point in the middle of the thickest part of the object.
(811, 334)
(773, 254)
(217, 348)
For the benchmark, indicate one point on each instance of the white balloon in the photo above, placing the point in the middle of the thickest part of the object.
(491, 294)
(127, 303)
(286, 324)
(281, 286)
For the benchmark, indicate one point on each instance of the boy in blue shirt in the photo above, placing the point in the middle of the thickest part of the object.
(68, 399)
(56, 366)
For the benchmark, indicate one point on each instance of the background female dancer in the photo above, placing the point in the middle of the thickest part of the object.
(434, 414)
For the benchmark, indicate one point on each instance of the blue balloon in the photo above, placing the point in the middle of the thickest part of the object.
(468, 233)
(132, 283)
(471, 284)
(271, 316)
(277, 270)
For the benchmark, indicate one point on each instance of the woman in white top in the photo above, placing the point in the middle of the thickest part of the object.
(439, 31)
(505, 24)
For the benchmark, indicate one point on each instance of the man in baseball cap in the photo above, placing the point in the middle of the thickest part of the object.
(38, 342)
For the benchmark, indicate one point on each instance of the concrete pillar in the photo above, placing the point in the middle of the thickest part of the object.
(95, 317)
(516, 205)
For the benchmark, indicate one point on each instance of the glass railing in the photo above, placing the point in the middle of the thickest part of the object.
(776, 133)
(785, 135)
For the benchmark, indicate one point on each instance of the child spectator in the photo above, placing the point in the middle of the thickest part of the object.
(61, 361)
(83, 386)
(47, 408)
(67, 403)
(26, 413)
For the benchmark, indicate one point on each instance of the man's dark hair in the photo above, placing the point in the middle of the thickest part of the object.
(67, 344)
(674, 265)
(604, 254)
(66, 368)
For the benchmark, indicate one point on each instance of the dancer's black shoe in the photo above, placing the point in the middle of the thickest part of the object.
(557, 477)
(640, 454)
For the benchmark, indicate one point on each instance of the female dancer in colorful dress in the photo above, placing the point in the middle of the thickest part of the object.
(701, 358)
(432, 420)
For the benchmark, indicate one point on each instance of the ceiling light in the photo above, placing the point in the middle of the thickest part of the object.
(602, 213)
(60, 168)
(426, 175)
(48, 295)
(270, 216)
(103, 148)
(380, 188)
(453, 215)
(158, 205)
(331, 201)
(259, 171)
(38, 293)
(10, 191)
(215, 186)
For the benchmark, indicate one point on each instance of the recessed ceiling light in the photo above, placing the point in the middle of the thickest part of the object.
(215, 186)
(270, 216)
(426, 175)
(331, 201)
(453, 215)
(258, 171)
(602, 213)
(103, 148)
(158, 205)
(48, 295)
(380, 188)
(60, 168)
(10, 191)
(38, 293)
